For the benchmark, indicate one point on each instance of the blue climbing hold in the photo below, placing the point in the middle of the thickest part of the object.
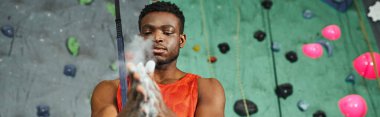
(340, 5)
(70, 70)
(43, 111)
(350, 78)
(7, 31)
(275, 47)
(303, 105)
(308, 14)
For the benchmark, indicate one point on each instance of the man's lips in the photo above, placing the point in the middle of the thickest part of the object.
(159, 49)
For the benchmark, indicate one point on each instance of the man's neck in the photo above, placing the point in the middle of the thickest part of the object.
(167, 73)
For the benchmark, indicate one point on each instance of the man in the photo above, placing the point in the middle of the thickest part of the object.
(184, 94)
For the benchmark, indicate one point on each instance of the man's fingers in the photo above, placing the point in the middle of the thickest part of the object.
(141, 89)
(136, 76)
(131, 67)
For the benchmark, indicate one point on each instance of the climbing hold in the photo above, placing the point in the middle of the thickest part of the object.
(291, 56)
(43, 111)
(353, 106)
(196, 47)
(327, 46)
(212, 59)
(284, 90)
(72, 45)
(340, 5)
(7, 31)
(302, 105)
(70, 70)
(239, 107)
(113, 66)
(319, 113)
(308, 14)
(374, 12)
(259, 35)
(111, 8)
(267, 4)
(275, 47)
(350, 78)
(85, 2)
(312, 50)
(224, 47)
(364, 65)
(331, 32)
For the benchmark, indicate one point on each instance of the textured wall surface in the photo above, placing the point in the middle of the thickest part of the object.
(31, 63)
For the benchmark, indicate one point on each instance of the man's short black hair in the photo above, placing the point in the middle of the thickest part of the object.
(161, 6)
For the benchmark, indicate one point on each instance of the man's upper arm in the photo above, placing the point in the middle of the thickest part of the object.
(103, 100)
(211, 99)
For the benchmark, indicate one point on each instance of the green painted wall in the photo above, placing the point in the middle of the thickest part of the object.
(249, 68)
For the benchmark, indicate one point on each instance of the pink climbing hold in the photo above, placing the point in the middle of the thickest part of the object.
(331, 32)
(353, 106)
(313, 50)
(364, 65)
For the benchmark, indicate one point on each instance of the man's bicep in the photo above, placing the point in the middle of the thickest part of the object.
(212, 99)
(103, 100)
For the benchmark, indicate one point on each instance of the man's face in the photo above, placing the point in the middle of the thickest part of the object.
(164, 29)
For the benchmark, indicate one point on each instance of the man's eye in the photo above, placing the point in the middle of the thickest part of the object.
(147, 33)
(168, 33)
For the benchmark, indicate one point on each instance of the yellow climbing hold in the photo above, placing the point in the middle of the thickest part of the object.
(196, 47)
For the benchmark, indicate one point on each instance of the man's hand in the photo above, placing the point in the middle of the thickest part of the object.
(144, 97)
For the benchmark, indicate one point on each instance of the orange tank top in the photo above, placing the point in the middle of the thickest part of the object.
(181, 96)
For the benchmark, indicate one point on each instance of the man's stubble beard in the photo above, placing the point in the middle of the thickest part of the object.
(168, 60)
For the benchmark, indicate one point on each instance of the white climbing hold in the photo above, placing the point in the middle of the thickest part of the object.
(374, 12)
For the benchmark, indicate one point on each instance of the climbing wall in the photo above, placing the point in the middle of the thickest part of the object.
(32, 61)
(253, 68)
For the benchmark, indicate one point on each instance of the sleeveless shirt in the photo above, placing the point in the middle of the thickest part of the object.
(181, 96)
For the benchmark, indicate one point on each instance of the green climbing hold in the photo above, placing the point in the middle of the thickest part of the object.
(85, 2)
(73, 46)
(113, 66)
(111, 8)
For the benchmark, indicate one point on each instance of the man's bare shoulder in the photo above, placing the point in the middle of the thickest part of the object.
(211, 98)
(206, 85)
(107, 84)
(209, 82)
(104, 97)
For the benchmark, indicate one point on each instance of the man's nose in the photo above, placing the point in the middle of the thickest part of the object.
(158, 37)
